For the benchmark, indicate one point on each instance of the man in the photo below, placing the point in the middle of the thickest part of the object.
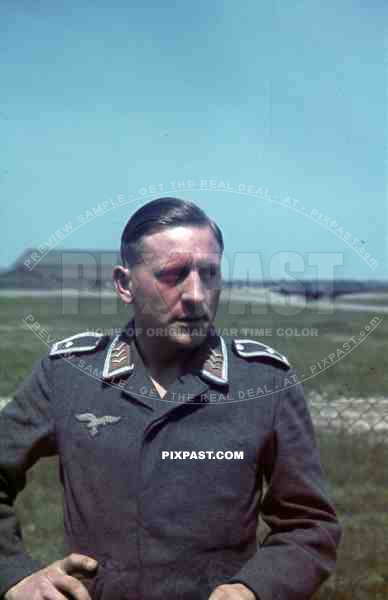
(163, 467)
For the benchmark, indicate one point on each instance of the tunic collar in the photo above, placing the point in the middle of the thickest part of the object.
(209, 361)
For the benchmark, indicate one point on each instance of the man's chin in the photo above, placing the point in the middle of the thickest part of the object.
(190, 334)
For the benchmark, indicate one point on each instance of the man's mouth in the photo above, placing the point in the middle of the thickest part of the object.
(193, 319)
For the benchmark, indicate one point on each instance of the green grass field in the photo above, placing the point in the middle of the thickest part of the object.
(356, 466)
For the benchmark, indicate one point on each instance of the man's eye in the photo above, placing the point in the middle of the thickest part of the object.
(166, 277)
(172, 276)
(209, 273)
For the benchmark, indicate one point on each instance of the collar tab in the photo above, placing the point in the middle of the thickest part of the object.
(118, 360)
(215, 367)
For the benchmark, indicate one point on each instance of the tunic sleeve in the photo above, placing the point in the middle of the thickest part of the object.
(26, 433)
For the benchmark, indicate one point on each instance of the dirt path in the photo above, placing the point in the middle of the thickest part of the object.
(256, 296)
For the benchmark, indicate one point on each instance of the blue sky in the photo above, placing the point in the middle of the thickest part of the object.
(101, 100)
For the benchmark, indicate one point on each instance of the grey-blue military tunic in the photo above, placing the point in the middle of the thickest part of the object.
(164, 527)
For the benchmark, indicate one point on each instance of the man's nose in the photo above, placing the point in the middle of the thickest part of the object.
(193, 291)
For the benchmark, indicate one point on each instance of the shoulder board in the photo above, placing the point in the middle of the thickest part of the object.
(81, 342)
(252, 348)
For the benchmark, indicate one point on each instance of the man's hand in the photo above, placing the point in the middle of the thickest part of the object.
(232, 591)
(56, 580)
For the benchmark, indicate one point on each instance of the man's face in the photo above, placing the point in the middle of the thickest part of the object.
(177, 285)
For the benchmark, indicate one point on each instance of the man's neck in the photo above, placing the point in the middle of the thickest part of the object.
(163, 365)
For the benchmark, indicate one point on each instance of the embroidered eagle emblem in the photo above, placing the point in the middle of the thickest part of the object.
(92, 423)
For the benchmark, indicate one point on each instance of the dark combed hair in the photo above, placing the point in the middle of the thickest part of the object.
(161, 214)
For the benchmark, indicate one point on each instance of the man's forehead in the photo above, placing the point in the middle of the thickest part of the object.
(178, 258)
(180, 244)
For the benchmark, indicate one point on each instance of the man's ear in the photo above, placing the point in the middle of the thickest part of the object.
(124, 284)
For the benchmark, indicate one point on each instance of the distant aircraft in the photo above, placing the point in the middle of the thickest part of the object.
(312, 290)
